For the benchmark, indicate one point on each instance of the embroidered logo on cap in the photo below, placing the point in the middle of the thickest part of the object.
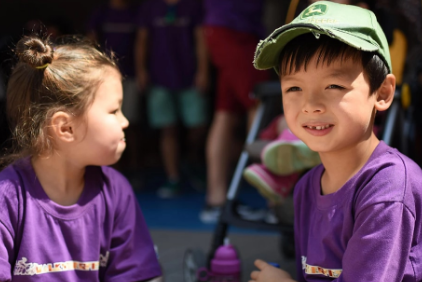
(315, 10)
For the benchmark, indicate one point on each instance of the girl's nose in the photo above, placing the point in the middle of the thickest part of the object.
(124, 121)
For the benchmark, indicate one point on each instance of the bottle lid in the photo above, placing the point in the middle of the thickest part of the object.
(225, 260)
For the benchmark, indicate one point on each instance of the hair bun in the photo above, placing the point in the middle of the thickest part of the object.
(34, 51)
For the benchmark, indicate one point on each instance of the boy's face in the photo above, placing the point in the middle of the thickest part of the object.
(329, 107)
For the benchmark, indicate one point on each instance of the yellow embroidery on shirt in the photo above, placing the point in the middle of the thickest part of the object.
(313, 270)
(23, 267)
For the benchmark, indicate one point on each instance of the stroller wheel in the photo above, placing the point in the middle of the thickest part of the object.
(193, 260)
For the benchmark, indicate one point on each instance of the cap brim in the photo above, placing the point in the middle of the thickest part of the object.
(268, 51)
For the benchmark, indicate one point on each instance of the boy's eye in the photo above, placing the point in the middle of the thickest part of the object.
(333, 86)
(293, 89)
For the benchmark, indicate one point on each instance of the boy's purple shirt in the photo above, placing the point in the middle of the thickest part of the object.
(239, 15)
(171, 44)
(103, 237)
(116, 30)
(369, 230)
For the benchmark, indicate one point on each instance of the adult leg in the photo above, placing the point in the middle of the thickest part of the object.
(169, 145)
(219, 156)
(193, 107)
(162, 114)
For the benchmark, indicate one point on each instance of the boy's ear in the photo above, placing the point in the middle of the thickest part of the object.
(62, 126)
(385, 94)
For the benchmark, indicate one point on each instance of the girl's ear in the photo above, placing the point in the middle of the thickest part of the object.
(385, 94)
(62, 127)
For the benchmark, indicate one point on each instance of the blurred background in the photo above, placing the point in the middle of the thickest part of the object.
(180, 165)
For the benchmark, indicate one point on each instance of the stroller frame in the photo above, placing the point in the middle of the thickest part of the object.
(393, 132)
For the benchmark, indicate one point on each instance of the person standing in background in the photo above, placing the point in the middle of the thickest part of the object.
(113, 26)
(232, 30)
(172, 66)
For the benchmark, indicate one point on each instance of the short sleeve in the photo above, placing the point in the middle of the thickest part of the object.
(380, 245)
(132, 256)
(9, 218)
(384, 224)
(6, 253)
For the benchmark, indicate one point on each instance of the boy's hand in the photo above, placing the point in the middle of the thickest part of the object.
(269, 273)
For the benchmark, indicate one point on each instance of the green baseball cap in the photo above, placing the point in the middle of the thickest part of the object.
(352, 25)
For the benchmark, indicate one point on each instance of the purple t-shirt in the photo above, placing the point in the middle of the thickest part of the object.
(116, 30)
(369, 230)
(103, 237)
(171, 41)
(240, 15)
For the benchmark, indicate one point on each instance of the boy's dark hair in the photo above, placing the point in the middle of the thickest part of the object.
(50, 78)
(300, 50)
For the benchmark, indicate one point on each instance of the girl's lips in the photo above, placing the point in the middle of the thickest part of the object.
(318, 130)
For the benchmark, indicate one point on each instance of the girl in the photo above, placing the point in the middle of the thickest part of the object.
(65, 215)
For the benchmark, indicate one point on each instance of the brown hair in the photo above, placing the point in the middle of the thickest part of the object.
(50, 78)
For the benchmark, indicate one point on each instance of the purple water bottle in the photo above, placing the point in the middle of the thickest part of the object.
(225, 266)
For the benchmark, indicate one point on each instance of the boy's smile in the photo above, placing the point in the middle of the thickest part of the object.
(329, 107)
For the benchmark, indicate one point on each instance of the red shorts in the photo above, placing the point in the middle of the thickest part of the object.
(232, 54)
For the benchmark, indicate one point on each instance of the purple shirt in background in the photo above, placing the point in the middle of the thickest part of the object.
(116, 30)
(171, 41)
(369, 230)
(103, 237)
(245, 16)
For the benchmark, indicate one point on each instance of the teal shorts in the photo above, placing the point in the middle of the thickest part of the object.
(166, 107)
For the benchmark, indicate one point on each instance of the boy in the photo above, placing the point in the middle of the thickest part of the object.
(358, 215)
(232, 30)
(171, 60)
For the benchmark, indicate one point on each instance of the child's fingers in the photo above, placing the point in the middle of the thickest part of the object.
(255, 275)
(260, 264)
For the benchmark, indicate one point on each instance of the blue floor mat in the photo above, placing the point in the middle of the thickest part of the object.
(182, 212)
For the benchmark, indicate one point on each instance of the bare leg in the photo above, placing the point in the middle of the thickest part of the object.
(219, 157)
(170, 151)
(195, 140)
(251, 115)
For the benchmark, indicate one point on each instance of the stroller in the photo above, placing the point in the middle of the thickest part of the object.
(392, 131)
(395, 129)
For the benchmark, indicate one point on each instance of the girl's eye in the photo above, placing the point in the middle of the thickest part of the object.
(115, 111)
(333, 86)
(293, 89)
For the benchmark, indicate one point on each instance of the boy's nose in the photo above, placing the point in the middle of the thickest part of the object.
(313, 105)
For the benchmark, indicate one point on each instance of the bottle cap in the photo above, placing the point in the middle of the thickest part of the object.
(225, 260)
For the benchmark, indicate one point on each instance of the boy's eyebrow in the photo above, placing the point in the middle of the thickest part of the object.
(288, 77)
(335, 73)
(339, 73)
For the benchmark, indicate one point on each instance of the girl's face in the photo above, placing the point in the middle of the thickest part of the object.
(103, 139)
